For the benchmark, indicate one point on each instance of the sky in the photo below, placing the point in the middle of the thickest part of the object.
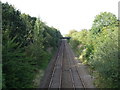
(66, 15)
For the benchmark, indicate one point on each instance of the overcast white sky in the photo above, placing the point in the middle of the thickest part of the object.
(66, 15)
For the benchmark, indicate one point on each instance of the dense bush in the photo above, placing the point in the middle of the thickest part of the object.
(25, 45)
(105, 57)
(98, 47)
(16, 68)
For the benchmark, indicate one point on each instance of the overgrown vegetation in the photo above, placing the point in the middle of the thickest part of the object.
(98, 47)
(27, 46)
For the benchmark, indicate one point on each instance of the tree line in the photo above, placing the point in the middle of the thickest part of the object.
(28, 44)
(98, 48)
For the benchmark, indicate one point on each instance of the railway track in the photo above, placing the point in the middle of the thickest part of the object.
(78, 82)
(55, 81)
(65, 73)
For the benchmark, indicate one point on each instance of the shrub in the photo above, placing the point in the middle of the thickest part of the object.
(105, 57)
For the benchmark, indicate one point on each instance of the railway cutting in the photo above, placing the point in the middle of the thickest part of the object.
(64, 71)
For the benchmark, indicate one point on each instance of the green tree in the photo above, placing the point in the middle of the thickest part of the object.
(29, 27)
(103, 19)
(98, 47)
(38, 29)
(24, 47)
(13, 22)
(17, 71)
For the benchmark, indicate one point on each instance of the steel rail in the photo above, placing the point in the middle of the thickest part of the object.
(62, 65)
(60, 55)
(70, 70)
(54, 69)
(77, 69)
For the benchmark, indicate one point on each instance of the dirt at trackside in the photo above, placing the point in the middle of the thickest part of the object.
(65, 71)
(83, 71)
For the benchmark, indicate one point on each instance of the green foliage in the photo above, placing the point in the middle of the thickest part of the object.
(38, 29)
(105, 57)
(98, 47)
(29, 27)
(51, 37)
(26, 41)
(102, 20)
(16, 68)
(12, 22)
